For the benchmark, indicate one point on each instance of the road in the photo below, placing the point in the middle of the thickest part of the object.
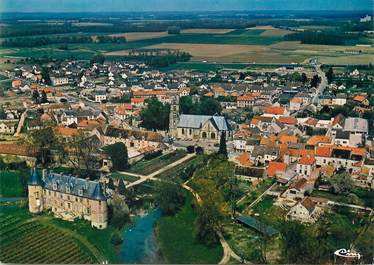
(320, 89)
(21, 122)
(152, 176)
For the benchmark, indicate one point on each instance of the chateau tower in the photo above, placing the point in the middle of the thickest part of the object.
(174, 116)
(35, 188)
(99, 208)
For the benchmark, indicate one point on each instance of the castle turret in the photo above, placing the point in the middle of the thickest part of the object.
(99, 208)
(35, 188)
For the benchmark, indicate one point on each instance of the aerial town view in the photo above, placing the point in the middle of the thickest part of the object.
(186, 132)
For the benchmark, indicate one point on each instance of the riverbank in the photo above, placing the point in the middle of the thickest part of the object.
(176, 237)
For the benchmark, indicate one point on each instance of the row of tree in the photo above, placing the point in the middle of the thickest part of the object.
(324, 37)
(64, 39)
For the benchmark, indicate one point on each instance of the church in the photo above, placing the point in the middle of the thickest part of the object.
(198, 127)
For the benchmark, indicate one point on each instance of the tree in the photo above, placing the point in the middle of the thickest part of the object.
(186, 105)
(222, 145)
(121, 189)
(304, 78)
(43, 141)
(98, 58)
(315, 81)
(43, 98)
(232, 192)
(174, 30)
(111, 184)
(118, 155)
(341, 183)
(35, 96)
(169, 197)
(297, 244)
(116, 238)
(208, 222)
(45, 76)
(119, 212)
(330, 75)
(155, 116)
(81, 151)
(209, 106)
(2, 114)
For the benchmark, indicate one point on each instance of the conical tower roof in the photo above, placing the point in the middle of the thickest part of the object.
(35, 179)
(98, 193)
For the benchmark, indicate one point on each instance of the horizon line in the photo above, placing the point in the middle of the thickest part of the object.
(185, 11)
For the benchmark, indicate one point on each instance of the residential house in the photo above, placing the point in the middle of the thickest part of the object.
(8, 126)
(305, 211)
(306, 165)
(264, 154)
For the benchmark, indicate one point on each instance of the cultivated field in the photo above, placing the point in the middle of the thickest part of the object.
(25, 240)
(134, 36)
(206, 31)
(209, 50)
(92, 24)
(271, 31)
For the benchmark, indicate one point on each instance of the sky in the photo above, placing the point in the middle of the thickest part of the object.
(178, 5)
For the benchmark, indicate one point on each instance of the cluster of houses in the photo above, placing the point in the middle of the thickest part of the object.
(281, 147)
(104, 103)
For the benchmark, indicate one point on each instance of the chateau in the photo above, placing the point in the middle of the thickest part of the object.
(68, 198)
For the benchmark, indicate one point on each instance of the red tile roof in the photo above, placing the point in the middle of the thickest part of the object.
(275, 167)
(274, 110)
(307, 160)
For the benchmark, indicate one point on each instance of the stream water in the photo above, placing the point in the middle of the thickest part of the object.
(140, 244)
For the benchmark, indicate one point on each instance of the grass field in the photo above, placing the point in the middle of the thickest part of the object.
(206, 31)
(134, 36)
(12, 183)
(125, 177)
(176, 235)
(146, 167)
(271, 31)
(25, 240)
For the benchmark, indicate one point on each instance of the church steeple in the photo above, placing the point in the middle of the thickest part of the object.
(174, 115)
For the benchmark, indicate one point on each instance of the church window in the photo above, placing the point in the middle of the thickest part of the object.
(204, 134)
(182, 131)
(213, 136)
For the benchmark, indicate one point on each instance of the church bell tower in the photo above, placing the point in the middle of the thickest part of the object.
(174, 116)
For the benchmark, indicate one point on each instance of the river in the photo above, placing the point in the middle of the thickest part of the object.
(140, 244)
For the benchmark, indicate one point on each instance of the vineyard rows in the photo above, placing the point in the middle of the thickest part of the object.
(32, 242)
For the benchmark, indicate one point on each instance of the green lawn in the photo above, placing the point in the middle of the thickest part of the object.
(264, 205)
(13, 183)
(176, 235)
(254, 192)
(175, 173)
(363, 197)
(146, 167)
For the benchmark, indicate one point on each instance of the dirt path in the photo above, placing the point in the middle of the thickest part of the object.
(227, 251)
